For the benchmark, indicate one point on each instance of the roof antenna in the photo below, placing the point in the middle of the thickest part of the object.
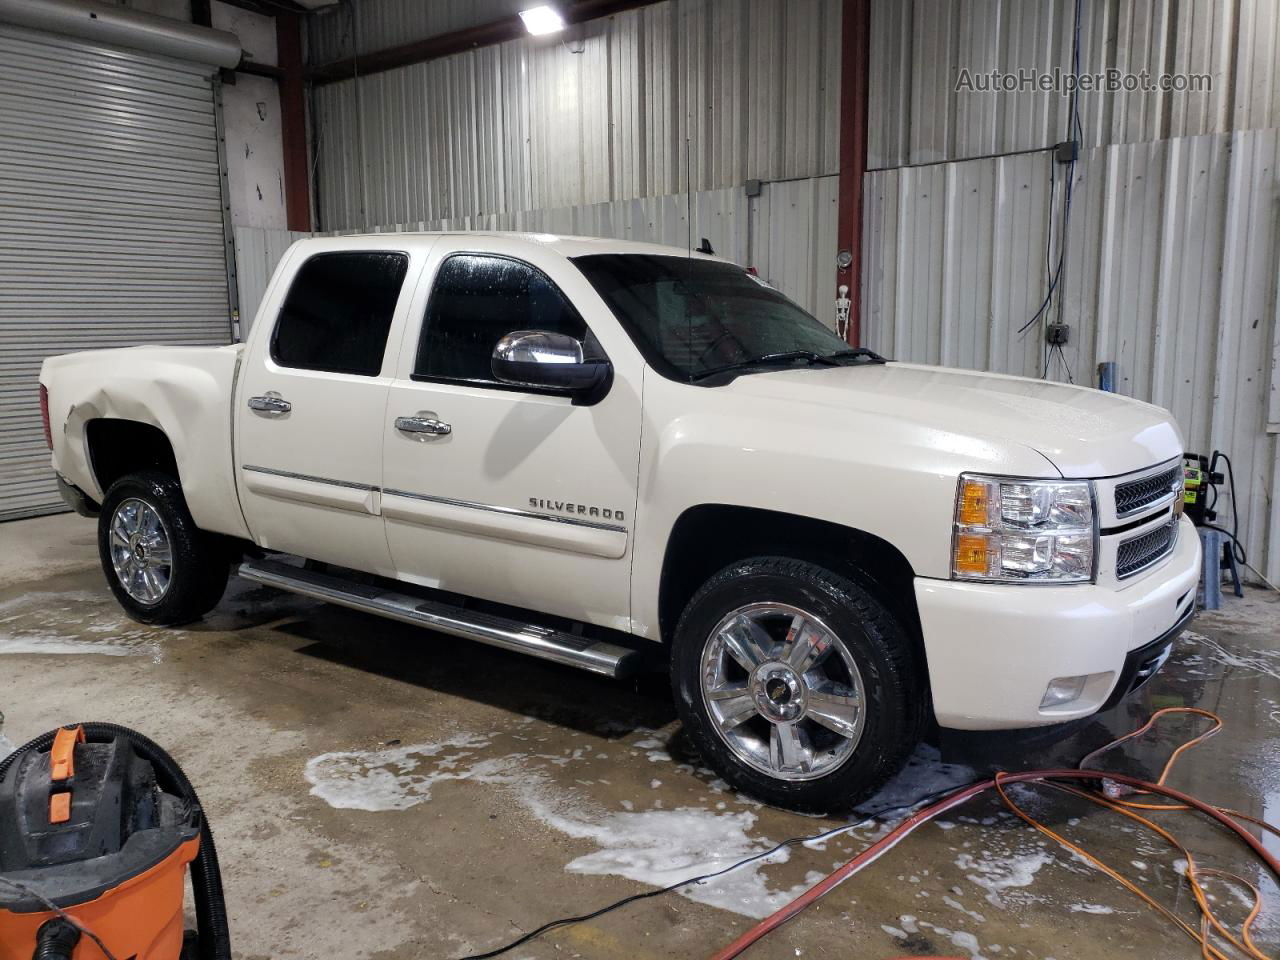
(706, 248)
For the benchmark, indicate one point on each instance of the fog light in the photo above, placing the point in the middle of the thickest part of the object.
(1063, 690)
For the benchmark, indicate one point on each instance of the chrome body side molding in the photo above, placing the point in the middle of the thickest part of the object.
(570, 534)
(319, 491)
(510, 511)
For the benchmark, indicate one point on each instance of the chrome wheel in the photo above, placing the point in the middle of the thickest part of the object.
(783, 691)
(141, 552)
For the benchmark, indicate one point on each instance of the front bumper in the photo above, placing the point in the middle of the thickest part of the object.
(994, 648)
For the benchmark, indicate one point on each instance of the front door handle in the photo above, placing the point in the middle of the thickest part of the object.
(423, 425)
(270, 403)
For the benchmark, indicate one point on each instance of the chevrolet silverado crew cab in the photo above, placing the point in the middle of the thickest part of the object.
(608, 454)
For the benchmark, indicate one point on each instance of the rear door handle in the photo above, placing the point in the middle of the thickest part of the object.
(423, 426)
(270, 403)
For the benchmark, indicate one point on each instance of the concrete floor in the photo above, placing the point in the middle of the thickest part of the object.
(381, 792)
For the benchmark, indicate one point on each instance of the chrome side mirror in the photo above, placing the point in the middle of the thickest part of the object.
(549, 361)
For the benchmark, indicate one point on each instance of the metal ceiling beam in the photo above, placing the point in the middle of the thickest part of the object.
(254, 68)
(293, 121)
(291, 88)
(855, 53)
(446, 44)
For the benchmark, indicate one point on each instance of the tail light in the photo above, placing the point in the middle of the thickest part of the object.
(44, 415)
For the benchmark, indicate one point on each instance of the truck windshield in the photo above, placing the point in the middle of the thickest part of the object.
(693, 318)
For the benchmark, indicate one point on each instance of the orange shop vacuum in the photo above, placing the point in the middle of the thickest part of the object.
(99, 829)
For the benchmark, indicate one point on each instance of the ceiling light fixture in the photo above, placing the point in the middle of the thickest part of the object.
(541, 20)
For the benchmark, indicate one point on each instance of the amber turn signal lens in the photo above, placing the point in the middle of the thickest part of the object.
(975, 504)
(971, 555)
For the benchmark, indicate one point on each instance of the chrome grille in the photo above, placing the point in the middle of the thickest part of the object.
(1136, 494)
(1138, 553)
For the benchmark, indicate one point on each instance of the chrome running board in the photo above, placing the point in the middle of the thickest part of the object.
(559, 646)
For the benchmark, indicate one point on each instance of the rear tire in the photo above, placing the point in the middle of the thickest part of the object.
(161, 567)
(796, 684)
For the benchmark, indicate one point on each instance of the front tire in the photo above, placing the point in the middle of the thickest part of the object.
(161, 567)
(796, 684)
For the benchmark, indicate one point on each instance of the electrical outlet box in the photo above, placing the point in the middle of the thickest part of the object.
(1057, 333)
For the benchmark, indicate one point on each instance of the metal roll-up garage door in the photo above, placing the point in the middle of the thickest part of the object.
(111, 230)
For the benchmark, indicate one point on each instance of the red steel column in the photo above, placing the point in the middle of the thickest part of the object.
(293, 120)
(855, 32)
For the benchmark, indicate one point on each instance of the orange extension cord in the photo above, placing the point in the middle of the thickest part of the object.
(1109, 797)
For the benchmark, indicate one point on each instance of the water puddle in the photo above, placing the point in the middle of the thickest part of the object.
(924, 775)
(72, 622)
(1237, 657)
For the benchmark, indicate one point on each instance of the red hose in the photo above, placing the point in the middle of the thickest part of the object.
(908, 826)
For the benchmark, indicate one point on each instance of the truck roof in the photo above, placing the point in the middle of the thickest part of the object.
(565, 245)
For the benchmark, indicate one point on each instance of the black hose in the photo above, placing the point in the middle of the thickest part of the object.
(1237, 547)
(56, 940)
(206, 877)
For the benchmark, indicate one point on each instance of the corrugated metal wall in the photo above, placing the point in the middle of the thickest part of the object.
(111, 228)
(954, 262)
(700, 93)
(919, 47)
(787, 233)
(527, 135)
(258, 251)
(1174, 275)
(1173, 254)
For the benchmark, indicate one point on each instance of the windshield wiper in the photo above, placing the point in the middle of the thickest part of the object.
(786, 356)
(789, 356)
(859, 352)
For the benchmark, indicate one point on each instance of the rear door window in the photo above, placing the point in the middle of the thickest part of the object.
(338, 312)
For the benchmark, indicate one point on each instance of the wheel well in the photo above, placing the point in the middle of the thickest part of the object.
(120, 447)
(708, 538)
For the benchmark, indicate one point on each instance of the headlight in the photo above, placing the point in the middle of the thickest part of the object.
(1039, 531)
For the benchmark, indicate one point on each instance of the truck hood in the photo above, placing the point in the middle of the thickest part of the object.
(1083, 432)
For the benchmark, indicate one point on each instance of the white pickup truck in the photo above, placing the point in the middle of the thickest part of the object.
(602, 453)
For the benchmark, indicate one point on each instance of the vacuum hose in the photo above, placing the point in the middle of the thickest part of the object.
(56, 940)
(206, 878)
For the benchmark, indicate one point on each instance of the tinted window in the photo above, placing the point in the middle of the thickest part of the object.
(338, 312)
(691, 316)
(476, 301)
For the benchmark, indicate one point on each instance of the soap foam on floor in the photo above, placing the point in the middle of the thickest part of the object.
(71, 623)
(662, 847)
(393, 778)
(1000, 875)
(654, 847)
